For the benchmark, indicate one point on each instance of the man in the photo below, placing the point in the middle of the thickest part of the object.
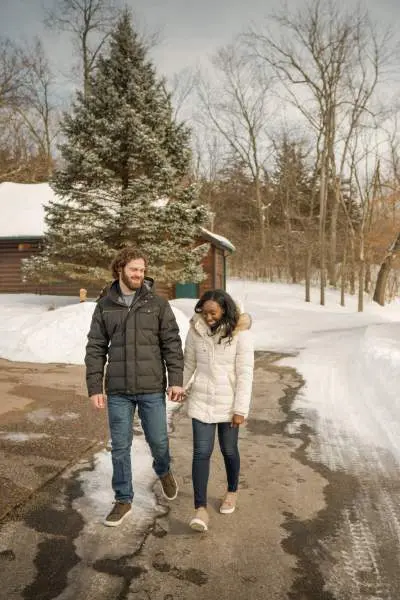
(137, 332)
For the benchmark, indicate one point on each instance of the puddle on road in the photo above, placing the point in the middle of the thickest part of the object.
(195, 576)
(58, 528)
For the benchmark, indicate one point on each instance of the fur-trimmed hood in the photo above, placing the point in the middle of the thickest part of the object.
(198, 323)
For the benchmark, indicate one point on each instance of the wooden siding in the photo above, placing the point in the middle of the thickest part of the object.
(213, 265)
(165, 290)
(11, 280)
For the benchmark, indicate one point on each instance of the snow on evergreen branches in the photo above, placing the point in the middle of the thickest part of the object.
(123, 151)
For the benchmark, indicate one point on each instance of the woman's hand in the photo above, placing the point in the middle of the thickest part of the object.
(98, 400)
(176, 394)
(237, 420)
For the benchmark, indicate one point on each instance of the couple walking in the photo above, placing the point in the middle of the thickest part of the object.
(136, 333)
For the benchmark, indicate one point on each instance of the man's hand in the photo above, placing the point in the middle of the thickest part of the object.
(98, 400)
(175, 393)
(237, 420)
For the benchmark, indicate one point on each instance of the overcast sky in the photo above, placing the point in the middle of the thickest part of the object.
(190, 30)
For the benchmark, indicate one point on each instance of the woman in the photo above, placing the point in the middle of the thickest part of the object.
(218, 375)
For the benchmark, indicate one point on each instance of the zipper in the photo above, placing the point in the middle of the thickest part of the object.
(126, 360)
(134, 305)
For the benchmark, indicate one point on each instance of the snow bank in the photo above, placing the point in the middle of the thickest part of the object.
(30, 332)
(351, 393)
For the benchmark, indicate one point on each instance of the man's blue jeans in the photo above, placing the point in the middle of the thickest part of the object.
(203, 445)
(152, 413)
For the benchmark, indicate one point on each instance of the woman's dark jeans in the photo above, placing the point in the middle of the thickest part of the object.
(203, 445)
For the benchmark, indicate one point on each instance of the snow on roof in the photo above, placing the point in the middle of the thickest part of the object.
(219, 239)
(22, 212)
(22, 209)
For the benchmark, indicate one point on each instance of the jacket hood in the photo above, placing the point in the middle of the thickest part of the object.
(244, 323)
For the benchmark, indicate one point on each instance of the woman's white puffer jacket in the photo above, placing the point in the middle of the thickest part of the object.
(222, 373)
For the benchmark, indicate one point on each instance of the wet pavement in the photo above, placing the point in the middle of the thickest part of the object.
(46, 424)
(301, 531)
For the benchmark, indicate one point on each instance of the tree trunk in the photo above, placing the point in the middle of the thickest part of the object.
(333, 235)
(308, 273)
(344, 269)
(352, 269)
(380, 287)
(290, 259)
(367, 282)
(361, 275)
(85, 64)
(260, 210)
(322, 213)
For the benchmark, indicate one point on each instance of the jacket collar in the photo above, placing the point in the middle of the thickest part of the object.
(201, 327)
(114, 292)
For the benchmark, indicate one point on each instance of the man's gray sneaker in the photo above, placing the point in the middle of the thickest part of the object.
(118, 513)
(169, 486)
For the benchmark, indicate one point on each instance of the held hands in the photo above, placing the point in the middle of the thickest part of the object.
(98, 400)
(237, 420)
(176, 393)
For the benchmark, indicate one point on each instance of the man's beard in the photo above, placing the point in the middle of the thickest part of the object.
(131, 285)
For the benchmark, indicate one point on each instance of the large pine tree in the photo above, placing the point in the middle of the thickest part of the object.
(125, 176)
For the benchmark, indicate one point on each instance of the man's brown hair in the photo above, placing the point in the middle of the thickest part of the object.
(123, 257)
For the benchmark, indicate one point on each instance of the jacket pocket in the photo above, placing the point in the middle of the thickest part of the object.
(148, 318)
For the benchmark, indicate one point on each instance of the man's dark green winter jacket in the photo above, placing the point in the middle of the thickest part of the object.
(139, 342)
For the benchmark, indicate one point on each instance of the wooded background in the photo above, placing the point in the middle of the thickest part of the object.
(294, 135)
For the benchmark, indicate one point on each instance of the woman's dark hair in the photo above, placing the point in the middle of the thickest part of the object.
(230, 312)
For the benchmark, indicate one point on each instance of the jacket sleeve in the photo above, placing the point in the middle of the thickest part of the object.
(96, 353)
(244, 366)
(171, 346)
(190, 358)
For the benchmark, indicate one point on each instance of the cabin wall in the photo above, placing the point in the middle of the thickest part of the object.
(11, 279)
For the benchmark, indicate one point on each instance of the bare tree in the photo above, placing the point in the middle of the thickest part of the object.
(292, 196)
(235, 105)
(182, 87)
(27, 112)
(38, 111)
(328, 62)
(12, 72)
(90, 22)
(393, 249)
(384, 271)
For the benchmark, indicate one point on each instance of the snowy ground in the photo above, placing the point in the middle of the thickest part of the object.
(350, 363)
(349, 360)
(52, 329)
